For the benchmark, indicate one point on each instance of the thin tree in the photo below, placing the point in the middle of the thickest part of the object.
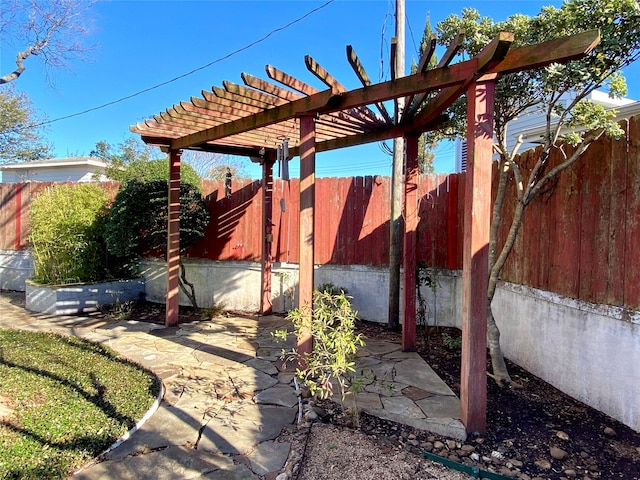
(561, 93)
(52, 30)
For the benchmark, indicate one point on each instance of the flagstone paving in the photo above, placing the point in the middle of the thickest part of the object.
(226, 396)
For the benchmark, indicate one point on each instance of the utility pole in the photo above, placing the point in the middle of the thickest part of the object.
(396, 181)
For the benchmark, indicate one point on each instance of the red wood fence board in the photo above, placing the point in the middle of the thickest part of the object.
(617, 222)
(632, 247)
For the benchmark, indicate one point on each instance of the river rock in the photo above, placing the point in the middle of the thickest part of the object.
(543, 464)
(558, 453)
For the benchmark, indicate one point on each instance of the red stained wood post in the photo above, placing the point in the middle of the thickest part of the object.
(477, 215)
(307, 205)
(18, 217)
(410, 243)
(266, 307)
(173, 240)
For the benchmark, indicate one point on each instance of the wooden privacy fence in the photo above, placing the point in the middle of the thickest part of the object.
(351, 223)
(580, 239)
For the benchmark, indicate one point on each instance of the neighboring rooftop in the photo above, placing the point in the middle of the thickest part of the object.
(75, 169)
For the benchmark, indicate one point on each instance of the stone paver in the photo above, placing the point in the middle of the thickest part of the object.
(227, 397)
(268, 457)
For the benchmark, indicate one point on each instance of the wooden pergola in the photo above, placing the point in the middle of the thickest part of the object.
(256, 118)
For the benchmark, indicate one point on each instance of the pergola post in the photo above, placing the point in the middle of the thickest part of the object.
(477, 217)
(266, 307)
(307, 206)
(173, 240)
(410, 241)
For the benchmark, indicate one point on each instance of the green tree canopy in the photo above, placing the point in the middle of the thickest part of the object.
(559, 92)
(133, 160)
(19, 142)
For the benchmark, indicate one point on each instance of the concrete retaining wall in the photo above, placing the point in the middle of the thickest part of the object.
(15, 268)
(591, 352)
(81, 298)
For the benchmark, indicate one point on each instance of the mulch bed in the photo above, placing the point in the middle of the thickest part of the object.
(526, 427)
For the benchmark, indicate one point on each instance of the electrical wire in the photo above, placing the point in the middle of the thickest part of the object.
(179, 77)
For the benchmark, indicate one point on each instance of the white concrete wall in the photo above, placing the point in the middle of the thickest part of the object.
(591, 352)
(236, 286)
(15, 268)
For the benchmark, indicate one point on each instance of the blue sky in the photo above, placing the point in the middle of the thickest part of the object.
(139, 44)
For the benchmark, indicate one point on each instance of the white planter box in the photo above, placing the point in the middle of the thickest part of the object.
(80, 298)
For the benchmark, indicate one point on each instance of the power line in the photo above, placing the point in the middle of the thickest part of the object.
(225, 57)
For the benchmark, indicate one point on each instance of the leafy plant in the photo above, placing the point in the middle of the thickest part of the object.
(451, 343)
(67, 226)
(137, 222)
(332, 289)
(332, 359)
(133, 160)
(214, 311)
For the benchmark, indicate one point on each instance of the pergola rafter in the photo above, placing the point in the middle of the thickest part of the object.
(254, 119)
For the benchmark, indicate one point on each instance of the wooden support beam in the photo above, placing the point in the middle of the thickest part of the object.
(411, 102)
(250, 93)
(492, 54)
(268, 87)
(173, 241)
(410, 264)
(558, 50)
(266, 307)
(307, 206)
(423, 64)
(477, 217)
(361, 73)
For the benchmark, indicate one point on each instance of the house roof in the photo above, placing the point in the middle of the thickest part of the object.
(56, 163)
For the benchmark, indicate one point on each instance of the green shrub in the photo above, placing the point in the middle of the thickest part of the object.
(137, 220)
(335, 342)
(67, 225)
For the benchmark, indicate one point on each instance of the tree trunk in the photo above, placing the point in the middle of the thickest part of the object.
(500, 372)
(498, 365)
(191, 292)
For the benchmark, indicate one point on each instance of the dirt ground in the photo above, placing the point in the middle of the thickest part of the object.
(533, 432)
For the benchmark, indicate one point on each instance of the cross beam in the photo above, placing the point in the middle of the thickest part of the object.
(327, 101)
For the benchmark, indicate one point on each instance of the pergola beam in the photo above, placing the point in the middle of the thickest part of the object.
(326, 101)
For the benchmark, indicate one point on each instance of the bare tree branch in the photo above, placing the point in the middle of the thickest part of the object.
(50, 29)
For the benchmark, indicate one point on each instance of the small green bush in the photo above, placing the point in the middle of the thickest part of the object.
(67, 225)
(335, 342)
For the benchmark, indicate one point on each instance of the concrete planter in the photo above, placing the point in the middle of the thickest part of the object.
(80, 298)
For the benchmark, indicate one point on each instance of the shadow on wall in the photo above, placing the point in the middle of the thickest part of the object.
(230, 228)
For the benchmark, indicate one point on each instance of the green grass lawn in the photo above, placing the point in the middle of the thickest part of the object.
(63, 401)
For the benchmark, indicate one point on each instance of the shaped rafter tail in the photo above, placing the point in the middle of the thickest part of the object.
(361, 73)
(268, 87)
(411, 102)
(252, 94)
(284, 78)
